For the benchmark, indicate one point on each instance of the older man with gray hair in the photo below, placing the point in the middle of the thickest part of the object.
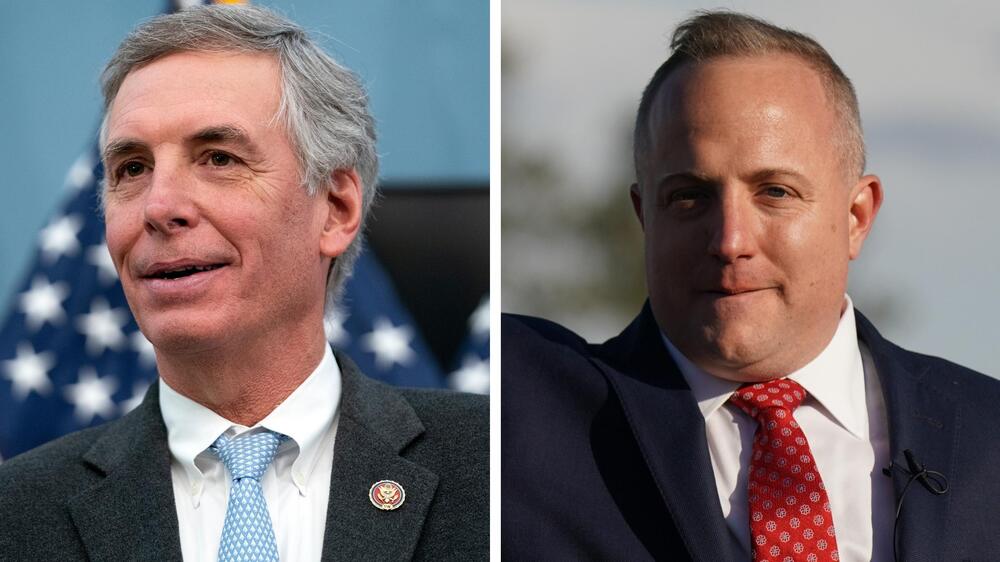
(240, 166)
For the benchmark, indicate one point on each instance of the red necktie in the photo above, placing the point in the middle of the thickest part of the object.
(790, 518)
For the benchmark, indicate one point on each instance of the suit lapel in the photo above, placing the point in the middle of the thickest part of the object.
(923, 417)
(130, 513)
(376, 423)
(670, 431)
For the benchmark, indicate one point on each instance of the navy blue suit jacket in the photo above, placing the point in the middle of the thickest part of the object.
(605, 456)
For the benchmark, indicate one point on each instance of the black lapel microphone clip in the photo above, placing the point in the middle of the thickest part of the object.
(932, 481)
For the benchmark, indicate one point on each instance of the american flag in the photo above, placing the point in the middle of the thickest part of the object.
(72, 356)
(471, 371)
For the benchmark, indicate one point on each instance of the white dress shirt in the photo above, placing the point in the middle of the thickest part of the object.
(844, 421)
(296, 485)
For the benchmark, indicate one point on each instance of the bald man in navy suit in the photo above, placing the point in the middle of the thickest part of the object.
(753, 199)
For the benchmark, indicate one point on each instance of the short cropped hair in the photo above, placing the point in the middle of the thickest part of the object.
(323, 105)
(713, 34)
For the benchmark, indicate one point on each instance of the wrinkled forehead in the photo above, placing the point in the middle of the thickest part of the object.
(196, 83)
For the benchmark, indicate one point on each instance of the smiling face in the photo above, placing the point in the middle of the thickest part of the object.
(215, 240)
(749, 215)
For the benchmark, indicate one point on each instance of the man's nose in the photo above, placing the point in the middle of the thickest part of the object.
(169, 208)
(732, 233)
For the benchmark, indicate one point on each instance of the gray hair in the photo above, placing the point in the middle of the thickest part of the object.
(713, 34)
(323, 104)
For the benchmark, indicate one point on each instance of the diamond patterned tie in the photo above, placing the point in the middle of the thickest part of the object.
(790, 517)
(247, 534)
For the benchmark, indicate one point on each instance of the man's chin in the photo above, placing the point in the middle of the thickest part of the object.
(740, 355)
(728, 341)
(186, 339)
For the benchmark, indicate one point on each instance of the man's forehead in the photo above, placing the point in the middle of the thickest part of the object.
(188, 91)
(759, 85)
(197, 75)
(747, 78)
(212, 64)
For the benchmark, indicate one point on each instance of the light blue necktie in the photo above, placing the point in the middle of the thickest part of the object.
(247, 534)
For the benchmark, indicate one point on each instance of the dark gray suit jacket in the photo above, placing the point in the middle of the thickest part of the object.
(105, 493)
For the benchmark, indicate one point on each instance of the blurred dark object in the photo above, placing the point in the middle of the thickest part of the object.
(434, 240)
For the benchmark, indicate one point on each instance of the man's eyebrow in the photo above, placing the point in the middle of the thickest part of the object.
(689, 176)
(768, 173)
(215, 133)
(225, 133)
(755, 176)
(118, 147)
(765, 174)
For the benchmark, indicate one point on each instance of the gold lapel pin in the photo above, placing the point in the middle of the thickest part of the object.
(386, 495)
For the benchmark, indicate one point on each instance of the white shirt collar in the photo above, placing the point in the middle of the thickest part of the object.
(834, 378)
(305, 416)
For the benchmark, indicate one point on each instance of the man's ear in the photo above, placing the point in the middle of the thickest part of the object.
(342, 212)
(636, 195)
(866, 199)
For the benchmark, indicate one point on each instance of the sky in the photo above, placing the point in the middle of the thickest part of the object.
(928, 82)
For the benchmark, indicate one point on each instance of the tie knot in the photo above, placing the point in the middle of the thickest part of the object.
(248, 455)
(756, 399)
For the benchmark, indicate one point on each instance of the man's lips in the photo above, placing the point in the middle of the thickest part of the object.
(178, 282)
(177, 269)
(734, 291)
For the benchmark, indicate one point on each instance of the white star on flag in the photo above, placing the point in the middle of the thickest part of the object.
(81, 172)
(147, 355)
(333, 325)
(98, 256)
(29, 371)
(91, 396)
(479, 322)
(390, 344)
(102, 326)
(43, 303)
(138, 393)
(59, 237)
(472, 376)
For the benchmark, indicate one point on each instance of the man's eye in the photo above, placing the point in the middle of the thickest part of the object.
(131, 169)
(776, 192)
(687, 198)
(220, 159)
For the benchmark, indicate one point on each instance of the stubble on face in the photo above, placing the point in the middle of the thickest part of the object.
(745, 209)
(215, 181)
